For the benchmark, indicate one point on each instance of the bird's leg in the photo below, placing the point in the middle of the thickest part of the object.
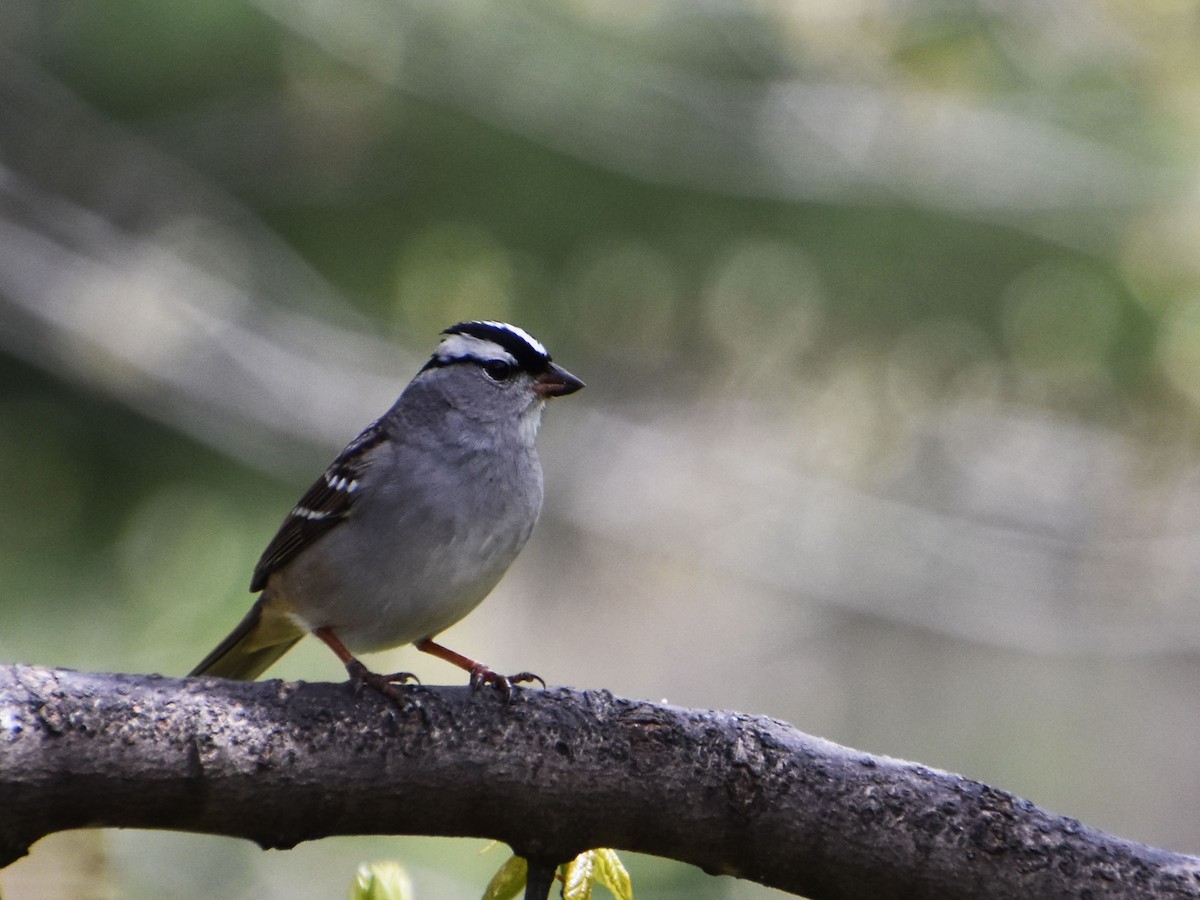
(359, 674)
(480, 674)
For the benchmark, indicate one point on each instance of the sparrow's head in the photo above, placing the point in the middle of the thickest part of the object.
(495, 370)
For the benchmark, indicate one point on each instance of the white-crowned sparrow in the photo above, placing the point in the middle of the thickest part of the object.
(415, 521)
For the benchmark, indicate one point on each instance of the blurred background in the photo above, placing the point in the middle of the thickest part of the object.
(889, 312)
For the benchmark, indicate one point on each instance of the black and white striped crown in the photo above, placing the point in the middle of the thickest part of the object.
(483, 341)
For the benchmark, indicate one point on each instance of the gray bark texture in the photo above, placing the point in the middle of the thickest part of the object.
(552, 773)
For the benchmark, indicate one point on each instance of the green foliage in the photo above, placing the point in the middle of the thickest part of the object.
(593, 867)
(381, 881)
(508, 881)
(602, 867)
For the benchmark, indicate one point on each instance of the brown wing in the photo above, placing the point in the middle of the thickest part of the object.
(323, 506)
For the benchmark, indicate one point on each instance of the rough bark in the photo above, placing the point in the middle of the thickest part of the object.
(553, 773)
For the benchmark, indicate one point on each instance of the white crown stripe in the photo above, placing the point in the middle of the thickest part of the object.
(519, 332)
(460, 346)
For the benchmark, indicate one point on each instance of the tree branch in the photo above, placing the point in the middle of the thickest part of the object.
(552, 774)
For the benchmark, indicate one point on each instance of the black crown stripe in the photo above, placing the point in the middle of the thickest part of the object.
(530, 358)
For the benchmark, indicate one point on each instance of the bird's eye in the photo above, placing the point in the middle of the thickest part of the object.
(498, 371)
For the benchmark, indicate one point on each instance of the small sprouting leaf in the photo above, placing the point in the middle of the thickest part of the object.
(381, 881)
(578, 877)
(509, 881)
(611, 873)
(602, 867)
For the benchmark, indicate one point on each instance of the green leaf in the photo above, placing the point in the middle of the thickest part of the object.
(381, 881)
(509, 881)
(611, 873)
(578, 877)
(602, 867)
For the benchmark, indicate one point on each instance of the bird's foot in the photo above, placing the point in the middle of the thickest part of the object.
(388, 685)
(481, 675)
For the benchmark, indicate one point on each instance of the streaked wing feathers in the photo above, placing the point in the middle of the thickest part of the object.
(323, 506)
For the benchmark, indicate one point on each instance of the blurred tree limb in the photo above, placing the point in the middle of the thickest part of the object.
(554, 773)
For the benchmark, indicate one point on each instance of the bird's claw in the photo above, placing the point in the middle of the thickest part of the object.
(527, 676)
(388, 685)
(481, 675)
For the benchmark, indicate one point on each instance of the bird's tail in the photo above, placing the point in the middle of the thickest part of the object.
(253, 647)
